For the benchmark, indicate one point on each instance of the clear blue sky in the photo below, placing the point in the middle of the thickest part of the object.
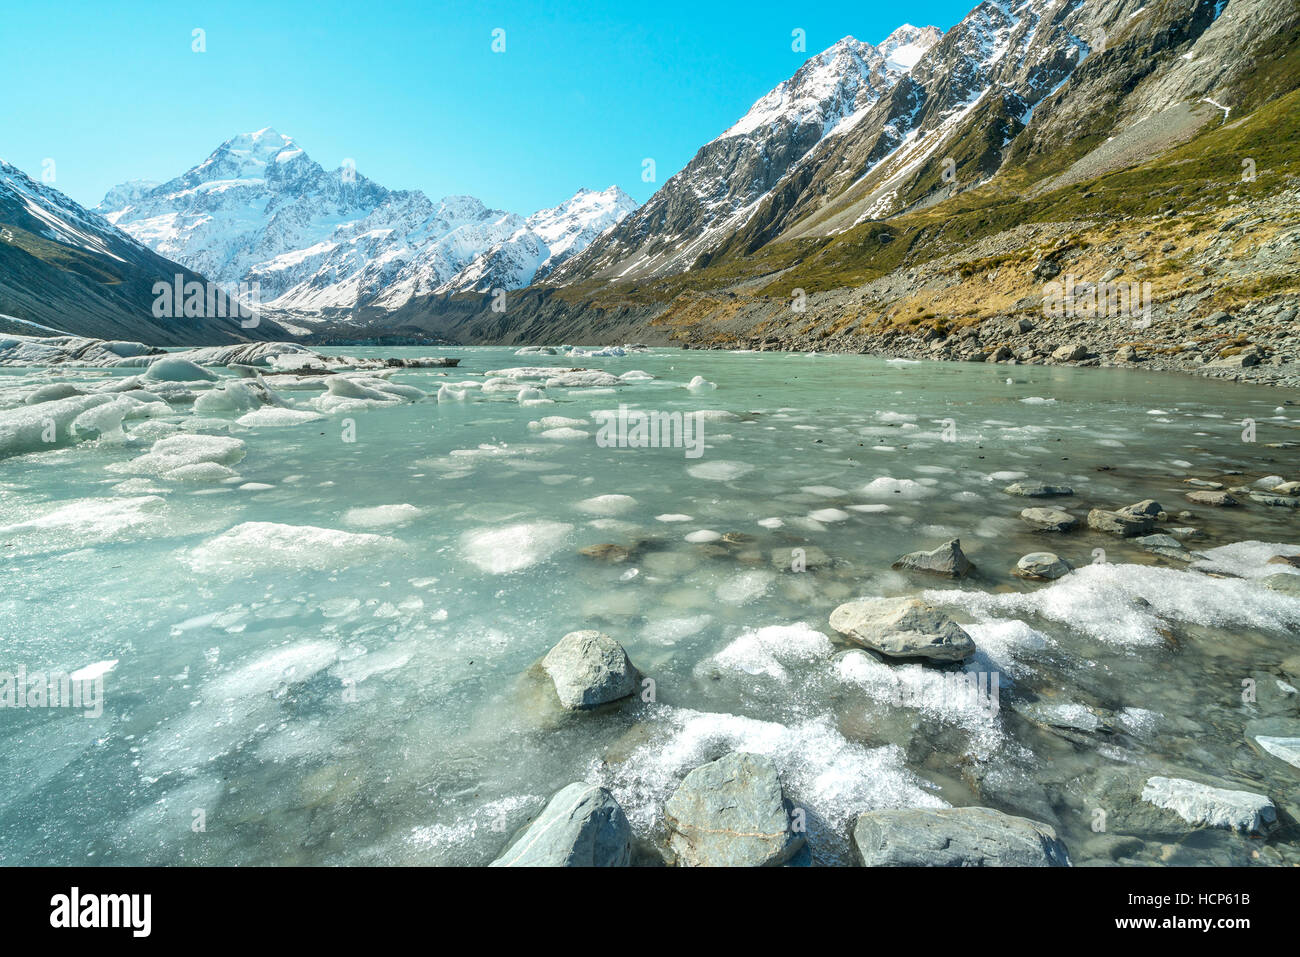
(112, 91)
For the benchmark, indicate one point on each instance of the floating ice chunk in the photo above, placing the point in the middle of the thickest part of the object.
(494, 386)
(606, 505)
(265, 673)
(668, 631)
(700, 384)
(886, 487)
(200, 472)
(703, 536)
(252, 545)
(176, 369)
(230, 396)
(873, 509)
(581, 378)
(1100, 600)
(566, 435)
(1037, 400)
(255, 487)
(1003, 642)
(672, 517)
(828, 515)
(636, 375)
(180, 450)
(453, 392)
(767, 651)
(83, 522)
(547, 422)
(745, 587)
(824, 491)
(1248, 559)
(55, 390)
(720, 470)
(714, 415)
(894, 418)
(359, 387)
(39, 428)
(381, 516)
(949, 697)
(277, 417)
(499, 551)
(771, 522)
(93, 671)
(104, 422)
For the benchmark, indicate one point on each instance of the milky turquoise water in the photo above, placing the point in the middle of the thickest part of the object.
(363, 694)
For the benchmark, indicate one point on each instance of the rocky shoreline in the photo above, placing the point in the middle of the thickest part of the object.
(1260, 344)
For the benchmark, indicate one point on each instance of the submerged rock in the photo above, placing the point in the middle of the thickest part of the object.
(1276, 737)
(1049, 519)
(1220, 499)
(1203, 806)
(948, 559)
(955, 837)
(1037, 490)
(1045, 566)
(1147, 508)
(590, 669)
(1166, 545)
(1117, 523)
(581, 826)
(732, 813)
(903, 628)
(614, 554)
(1279, 501)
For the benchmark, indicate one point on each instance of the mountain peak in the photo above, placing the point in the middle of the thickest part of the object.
(906, 45)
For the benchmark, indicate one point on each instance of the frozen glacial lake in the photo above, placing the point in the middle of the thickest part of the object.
(316, 620)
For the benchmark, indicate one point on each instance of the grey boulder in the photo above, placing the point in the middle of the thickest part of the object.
(903, 628)
(732, 813)
(955, 837)
(1117, 523)
(1049, 519)
(581, 826)
(1044, 566)
(590, 669)
(947, 560)
(1219, 499)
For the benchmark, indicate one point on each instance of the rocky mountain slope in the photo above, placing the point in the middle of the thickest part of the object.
(720, 190)
(321, 242)
(65, 269)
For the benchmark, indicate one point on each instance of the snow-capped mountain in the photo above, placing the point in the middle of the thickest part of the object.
(722, 187)
(259, 209)
(66, 268)
(547, 239)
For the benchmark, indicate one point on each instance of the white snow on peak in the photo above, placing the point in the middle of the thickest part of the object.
(903, 48)
(259, 209)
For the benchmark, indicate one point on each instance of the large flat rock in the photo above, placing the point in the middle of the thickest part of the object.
(955, 837)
